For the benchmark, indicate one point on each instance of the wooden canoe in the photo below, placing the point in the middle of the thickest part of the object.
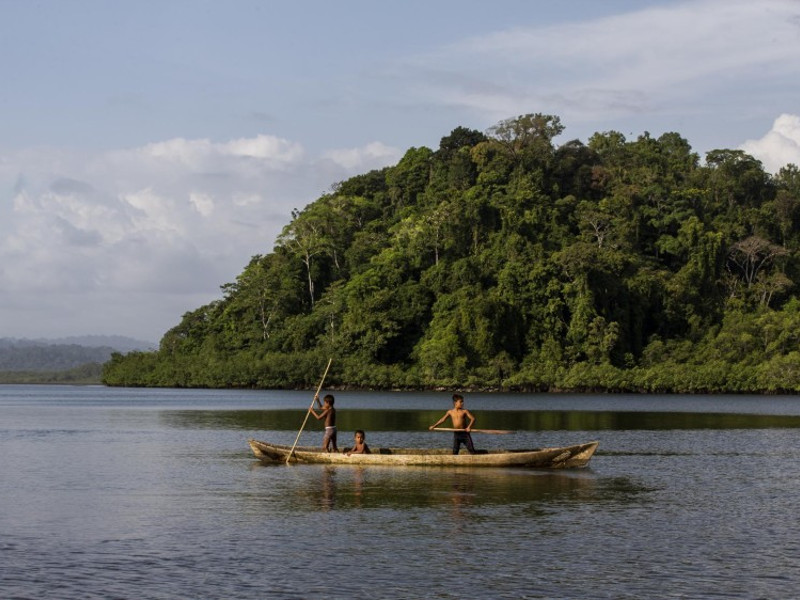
(565, 457)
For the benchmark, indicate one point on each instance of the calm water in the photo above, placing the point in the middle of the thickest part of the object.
(140, 494)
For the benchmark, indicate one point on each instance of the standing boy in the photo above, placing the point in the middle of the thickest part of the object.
(462, 420)
(329, 414)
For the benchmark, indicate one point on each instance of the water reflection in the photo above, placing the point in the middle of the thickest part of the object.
(418, 420)
(327, 487)
(327, 495)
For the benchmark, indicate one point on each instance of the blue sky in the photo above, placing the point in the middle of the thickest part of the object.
(149, 149)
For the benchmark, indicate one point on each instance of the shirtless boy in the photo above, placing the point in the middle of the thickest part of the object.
(461, 419)
(329, 414)
(359, 445)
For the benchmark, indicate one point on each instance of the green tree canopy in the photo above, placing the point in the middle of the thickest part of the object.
(503, 260)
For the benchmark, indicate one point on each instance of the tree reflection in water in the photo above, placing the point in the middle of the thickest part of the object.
(349, 420)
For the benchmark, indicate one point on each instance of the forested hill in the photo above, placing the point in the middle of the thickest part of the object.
(61, 354)
(503, 260)
(49, 357)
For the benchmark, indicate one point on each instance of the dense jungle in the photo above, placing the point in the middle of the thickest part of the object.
(504, 261)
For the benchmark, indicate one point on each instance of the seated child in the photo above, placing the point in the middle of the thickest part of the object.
(359, 445)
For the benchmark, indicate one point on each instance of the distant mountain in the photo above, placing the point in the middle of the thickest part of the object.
(64, 353)
(119, 343)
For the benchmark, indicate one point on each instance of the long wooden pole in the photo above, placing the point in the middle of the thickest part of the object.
(473, 430)
(325, 374)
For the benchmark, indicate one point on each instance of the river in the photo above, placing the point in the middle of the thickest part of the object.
(153, 494)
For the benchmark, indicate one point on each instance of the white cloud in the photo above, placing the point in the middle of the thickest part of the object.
(358, 158)
(681, 57)
(270, 151)
(88, 241)
(265, 147)
(203, 203)
(779, 146)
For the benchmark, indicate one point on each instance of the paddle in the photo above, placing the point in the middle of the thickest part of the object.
(288, 458)
(473, 430)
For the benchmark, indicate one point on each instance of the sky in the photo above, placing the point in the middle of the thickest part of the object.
(149, 149)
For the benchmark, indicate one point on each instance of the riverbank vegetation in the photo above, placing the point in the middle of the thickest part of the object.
(88, 374)
(501, 260)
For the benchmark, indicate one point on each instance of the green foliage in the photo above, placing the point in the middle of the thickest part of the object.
(89, 373)
(503, 261)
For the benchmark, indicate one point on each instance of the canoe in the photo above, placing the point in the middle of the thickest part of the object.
(565, 457)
